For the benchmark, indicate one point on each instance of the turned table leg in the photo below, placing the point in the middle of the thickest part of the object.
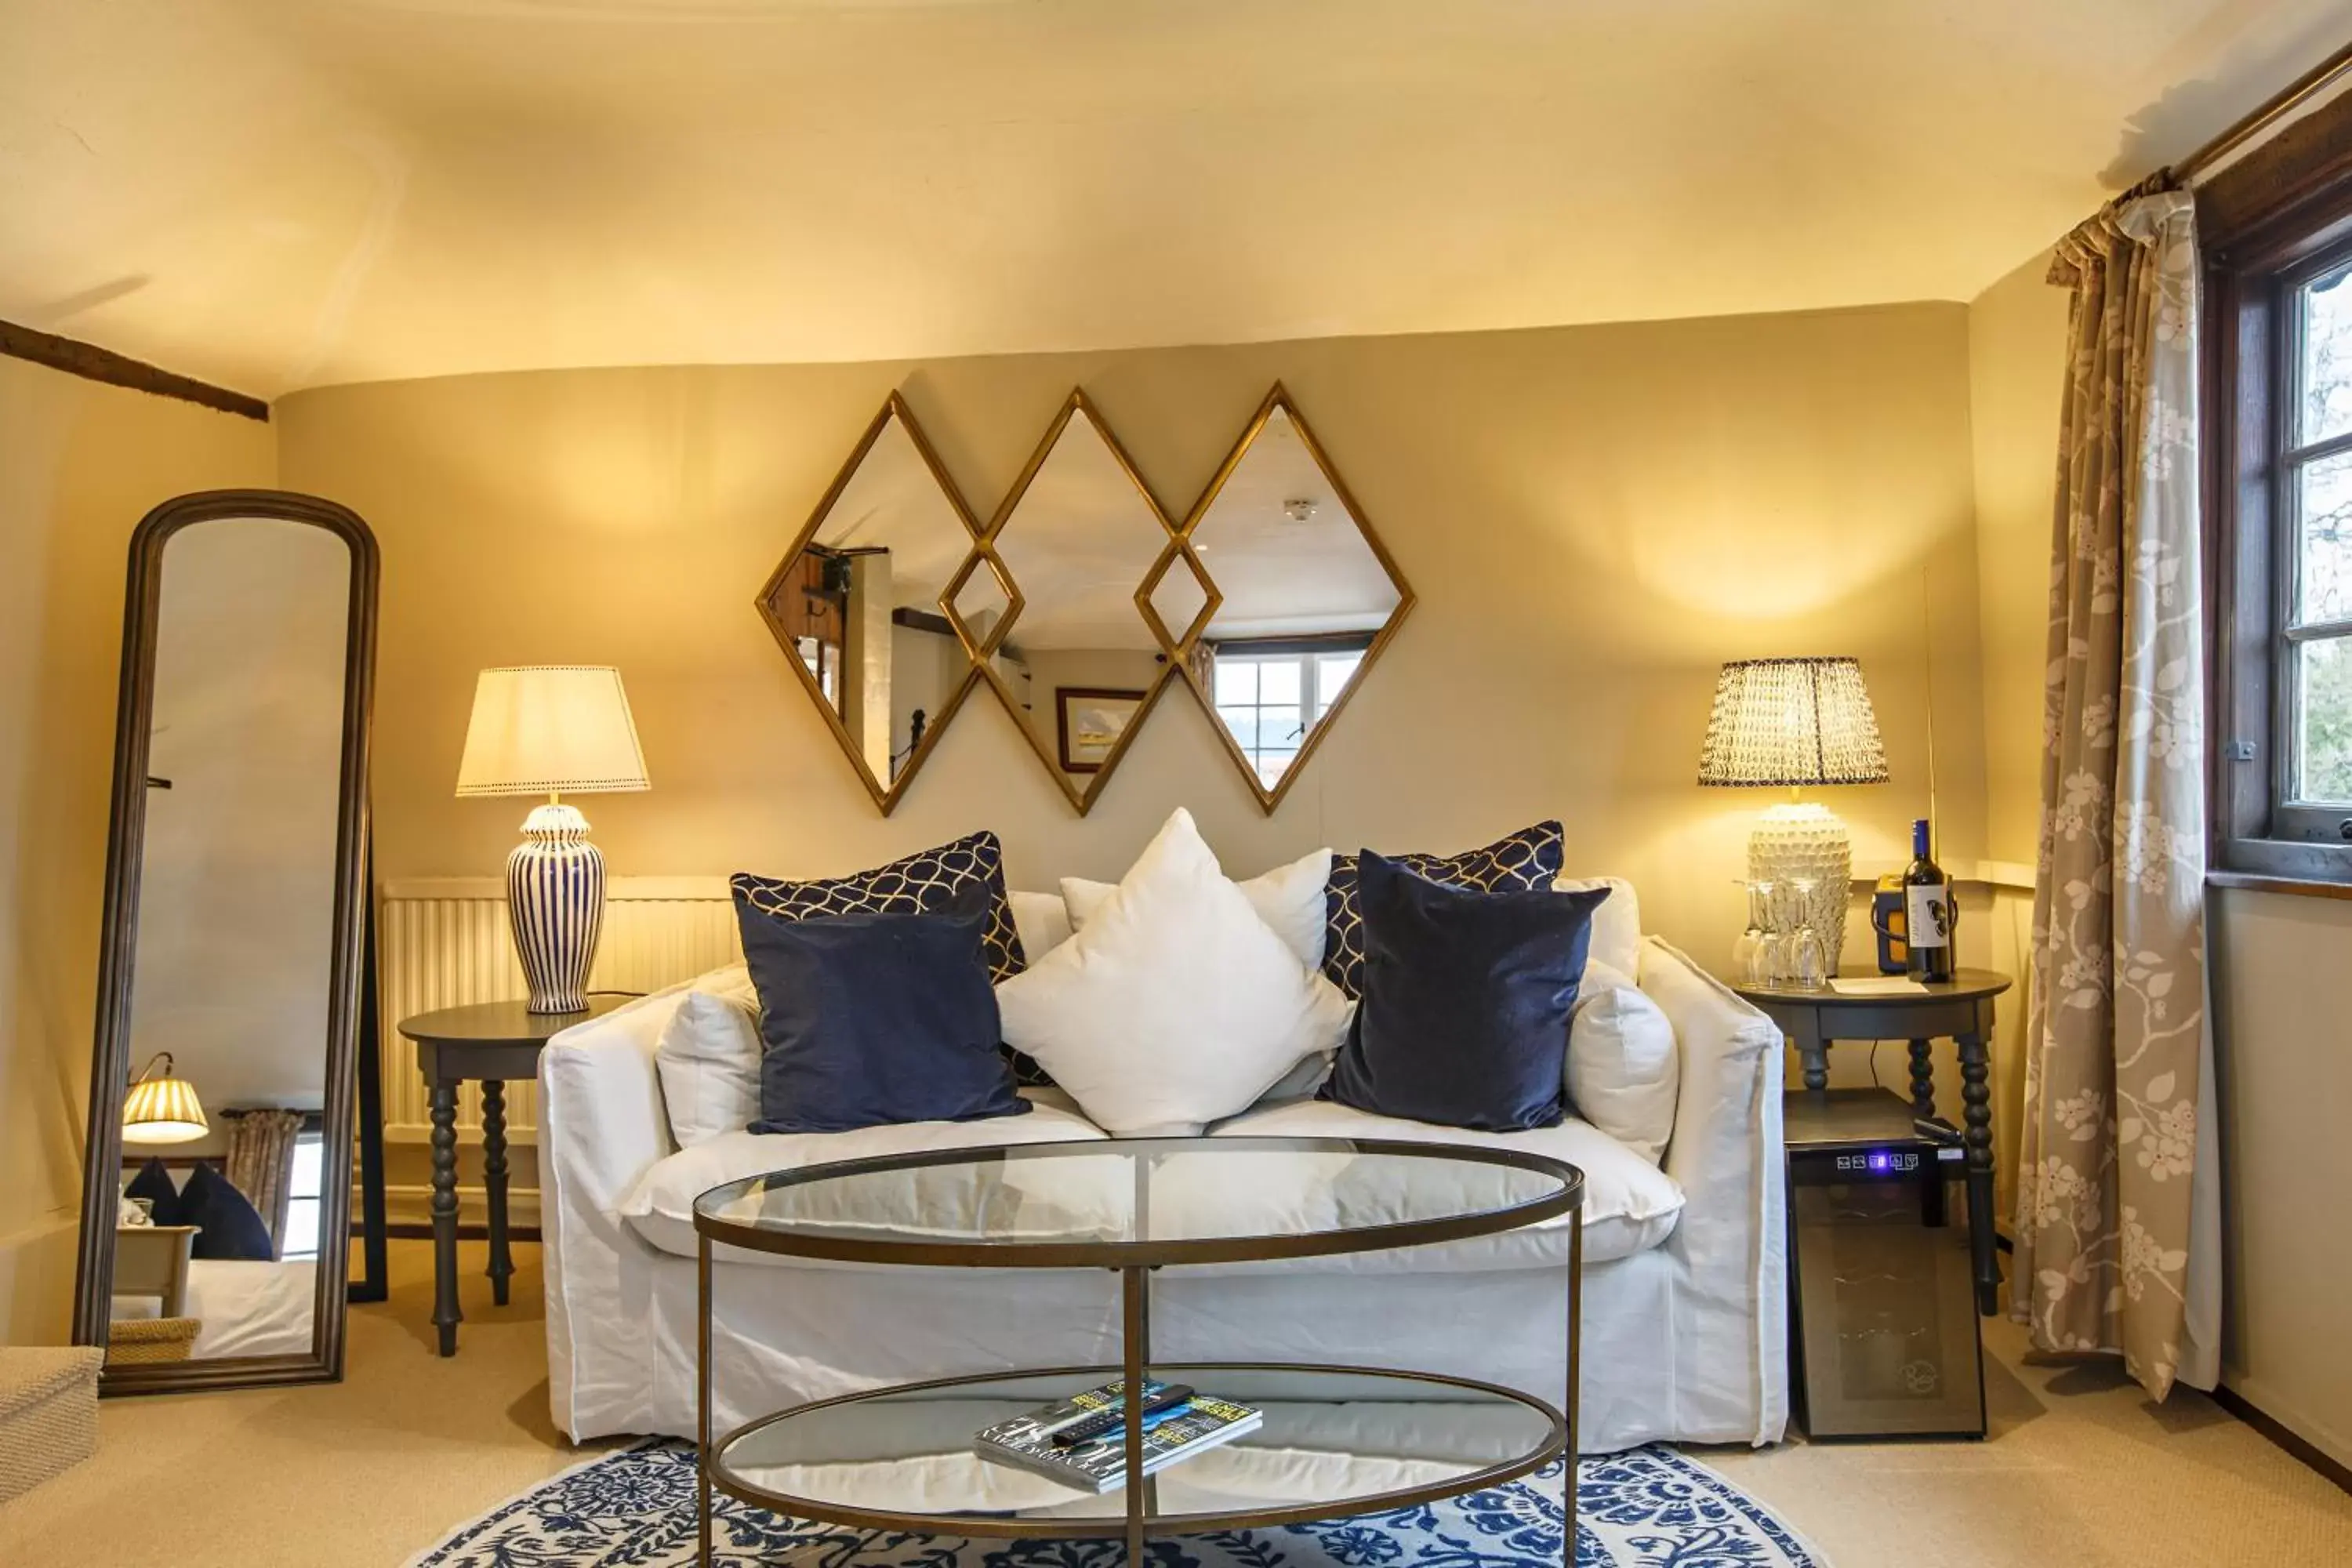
(494, 1185)
(445, 1315)
(1923, 1080)
(1976, 1095)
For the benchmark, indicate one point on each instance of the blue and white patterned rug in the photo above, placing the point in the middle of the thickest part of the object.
(1651, 1507)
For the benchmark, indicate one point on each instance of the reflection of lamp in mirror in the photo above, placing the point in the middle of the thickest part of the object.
(544, 728)
(161, 1108)
(1797, 724)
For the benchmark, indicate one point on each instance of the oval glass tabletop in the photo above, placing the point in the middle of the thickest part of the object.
(1132, 1202)
(1334, 1442)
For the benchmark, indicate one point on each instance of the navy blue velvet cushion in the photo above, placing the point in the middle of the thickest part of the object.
(868, 1019)
(229, 1227)
(154, 1183)
(1463, 1021)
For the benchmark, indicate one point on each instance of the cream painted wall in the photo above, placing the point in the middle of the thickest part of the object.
(80, 464)
(1594, 517)
(2017, 357)
(2283, 1037)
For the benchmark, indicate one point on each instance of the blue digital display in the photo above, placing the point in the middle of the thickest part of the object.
(1880, 1161)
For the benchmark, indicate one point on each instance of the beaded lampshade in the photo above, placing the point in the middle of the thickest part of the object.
(1792, 721)
(1796, 723)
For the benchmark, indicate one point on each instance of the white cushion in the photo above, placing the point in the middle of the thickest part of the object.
(709, 1057)
(1289, 898)
(1175, 1004)
(1630, 1204)
(1042, 920)
(1624, 1070)
(661, 1206)
(1616, 924)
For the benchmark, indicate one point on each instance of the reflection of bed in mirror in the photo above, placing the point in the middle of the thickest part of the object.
(220, 1116)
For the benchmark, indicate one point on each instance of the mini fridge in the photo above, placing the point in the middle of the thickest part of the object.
(1883, 1318)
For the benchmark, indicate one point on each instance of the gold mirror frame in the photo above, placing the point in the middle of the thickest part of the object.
(886, 793)
(1182, 653)
(1077, 406)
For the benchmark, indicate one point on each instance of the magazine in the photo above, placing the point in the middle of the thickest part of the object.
(1098, 1463)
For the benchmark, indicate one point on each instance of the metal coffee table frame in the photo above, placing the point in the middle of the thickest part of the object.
(1134, 1262)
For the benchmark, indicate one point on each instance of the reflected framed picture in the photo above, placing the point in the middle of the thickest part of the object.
(1089, 721)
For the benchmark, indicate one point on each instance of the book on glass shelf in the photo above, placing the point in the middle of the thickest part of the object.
(1081, 1441)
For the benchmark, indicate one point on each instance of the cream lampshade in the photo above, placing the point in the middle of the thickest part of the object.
(1797, 724)
(161, 1108)
(543, 730)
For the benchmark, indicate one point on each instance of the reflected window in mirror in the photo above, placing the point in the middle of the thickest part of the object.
(1305, 597)
(861, 603)
(304, 1190)
(1270, 694)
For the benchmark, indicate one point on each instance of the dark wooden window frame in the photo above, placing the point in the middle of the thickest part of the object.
(2254, 266)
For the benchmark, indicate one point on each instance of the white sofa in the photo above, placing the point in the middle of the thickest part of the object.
(1684, 1286)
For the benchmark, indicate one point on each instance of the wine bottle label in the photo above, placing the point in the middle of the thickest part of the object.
(1928, 914)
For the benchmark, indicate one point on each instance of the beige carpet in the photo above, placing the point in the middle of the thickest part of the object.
(2081, 1470)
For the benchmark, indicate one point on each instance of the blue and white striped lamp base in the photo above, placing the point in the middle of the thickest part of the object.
(555, 899)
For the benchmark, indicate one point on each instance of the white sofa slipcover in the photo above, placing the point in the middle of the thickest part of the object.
(1684, 1283)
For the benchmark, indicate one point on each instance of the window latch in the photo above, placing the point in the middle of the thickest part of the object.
(2240, 751)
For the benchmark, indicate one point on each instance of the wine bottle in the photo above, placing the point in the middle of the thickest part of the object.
(1926, 911)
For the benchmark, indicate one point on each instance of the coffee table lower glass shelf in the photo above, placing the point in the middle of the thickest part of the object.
(1336, 1441)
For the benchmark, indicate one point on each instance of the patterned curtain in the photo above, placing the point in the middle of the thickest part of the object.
(2116, 1031)
(261, 1164)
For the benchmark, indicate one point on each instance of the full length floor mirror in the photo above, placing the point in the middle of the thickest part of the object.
(215, 1196)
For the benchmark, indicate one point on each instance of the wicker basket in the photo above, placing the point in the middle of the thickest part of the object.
(49, 1413)
(136, 1341)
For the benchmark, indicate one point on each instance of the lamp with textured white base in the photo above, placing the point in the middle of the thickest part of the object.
(1796, 723)
(546, 729)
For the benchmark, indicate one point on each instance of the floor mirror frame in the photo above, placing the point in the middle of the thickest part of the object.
(111, 1062)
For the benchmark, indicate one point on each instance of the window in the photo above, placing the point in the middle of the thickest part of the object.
(303, 1197)
(1272, 695)
(2278, 444)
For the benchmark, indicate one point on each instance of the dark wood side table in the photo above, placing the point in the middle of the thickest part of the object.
(491, 1044)
(1960, 1009)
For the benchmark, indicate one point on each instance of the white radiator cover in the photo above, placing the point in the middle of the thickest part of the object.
(444, 942)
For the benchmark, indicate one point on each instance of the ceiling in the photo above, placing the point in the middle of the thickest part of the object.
(280, 194)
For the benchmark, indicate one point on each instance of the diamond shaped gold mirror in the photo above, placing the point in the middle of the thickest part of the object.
(1302, 598)
(860, 603)
(1079, 664)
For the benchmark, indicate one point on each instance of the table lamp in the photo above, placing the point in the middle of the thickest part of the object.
(1797, 724)
(161, 1108)
(544, 728)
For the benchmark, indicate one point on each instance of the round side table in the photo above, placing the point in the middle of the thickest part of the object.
(1960, 1009)
(491, 1043)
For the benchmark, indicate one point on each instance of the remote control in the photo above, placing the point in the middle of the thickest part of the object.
(1087, 1427)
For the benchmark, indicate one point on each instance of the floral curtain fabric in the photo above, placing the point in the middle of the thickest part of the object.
(2116, 1016)
(261, 1164)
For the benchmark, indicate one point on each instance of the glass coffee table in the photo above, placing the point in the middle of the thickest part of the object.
(1336, 1440)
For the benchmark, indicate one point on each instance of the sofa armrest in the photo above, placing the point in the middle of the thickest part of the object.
(1730, 1086)
(1727, 1157)
(603, 1122)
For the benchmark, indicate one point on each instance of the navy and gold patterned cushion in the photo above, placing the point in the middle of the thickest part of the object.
(929, 882)
(1526, 861)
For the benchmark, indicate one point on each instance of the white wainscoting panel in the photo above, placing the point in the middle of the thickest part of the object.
(444, 942)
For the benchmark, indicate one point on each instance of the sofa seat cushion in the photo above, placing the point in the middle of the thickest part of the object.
(661, 1206)
(1630, 1204)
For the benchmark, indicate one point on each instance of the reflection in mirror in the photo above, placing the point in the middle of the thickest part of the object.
(979, 601)
(1080, 665)
(1179, 595)
(1307, 597)
(857, 605)
(221, 1154)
